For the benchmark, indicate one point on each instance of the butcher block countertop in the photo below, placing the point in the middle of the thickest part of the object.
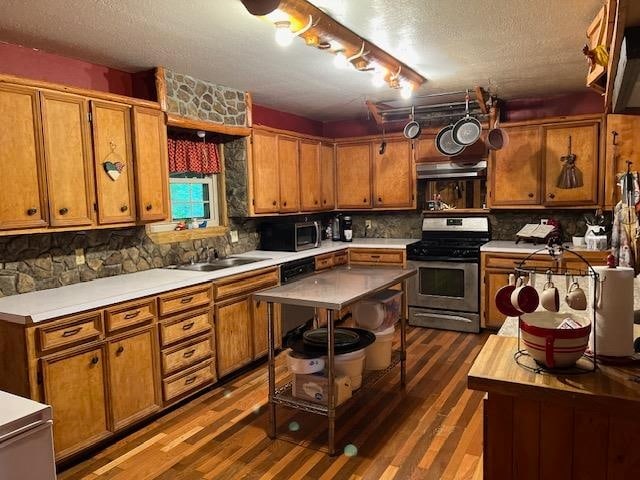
(496, 371)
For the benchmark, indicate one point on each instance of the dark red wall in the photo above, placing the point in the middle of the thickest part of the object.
(557, 105)
(286, 121)
(40, 65)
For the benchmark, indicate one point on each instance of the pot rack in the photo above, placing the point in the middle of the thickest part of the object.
(481, 106)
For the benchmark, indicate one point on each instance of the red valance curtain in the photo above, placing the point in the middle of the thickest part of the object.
(192, 156)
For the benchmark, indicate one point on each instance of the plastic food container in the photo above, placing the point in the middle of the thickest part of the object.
(379, 311)
(378, 354)
(301, 365)
(314, 387)
(352, 365)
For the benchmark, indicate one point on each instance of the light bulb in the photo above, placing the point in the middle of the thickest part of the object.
(284, 35)
(340, 60)
(406, 90)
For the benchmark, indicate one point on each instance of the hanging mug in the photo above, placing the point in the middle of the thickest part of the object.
(550, 298)
(576, 298)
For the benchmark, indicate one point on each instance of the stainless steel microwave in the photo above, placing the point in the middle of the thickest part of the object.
(290, 237)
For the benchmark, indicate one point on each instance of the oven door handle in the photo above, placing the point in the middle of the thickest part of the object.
(317, 224)
(443, 317)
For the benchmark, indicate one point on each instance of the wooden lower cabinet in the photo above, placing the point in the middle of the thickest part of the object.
(260, 323)
(133, 376)
(494, 280)
(233, 333)
(75, 385)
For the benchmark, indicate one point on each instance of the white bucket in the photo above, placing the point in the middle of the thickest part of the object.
(378, 354)
(352, 365)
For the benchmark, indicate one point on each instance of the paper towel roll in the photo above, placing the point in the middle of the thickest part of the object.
(614, 312)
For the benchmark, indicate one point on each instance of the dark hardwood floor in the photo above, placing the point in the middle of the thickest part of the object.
(433, 430)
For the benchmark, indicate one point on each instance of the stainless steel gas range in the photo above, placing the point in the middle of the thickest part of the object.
(446, 291)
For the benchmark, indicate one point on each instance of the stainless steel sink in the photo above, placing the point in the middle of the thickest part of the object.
(219, 264)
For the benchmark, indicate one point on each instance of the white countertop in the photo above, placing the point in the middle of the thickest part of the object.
(508, 246)
(44, 305)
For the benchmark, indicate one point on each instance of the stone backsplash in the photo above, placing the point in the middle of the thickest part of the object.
(41, 261)
(201, 100)
(235, 171)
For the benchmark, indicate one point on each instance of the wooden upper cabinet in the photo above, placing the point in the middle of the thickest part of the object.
(393, 177)
(68, 157)
(426, 150)
(310, 176)
(622, 143)
(515, 170)
(584, 145)
(328, 176)
(289, 174)
(113, 162)
(133, 377)
(265, 172)
(600, 32)
(353, 175)
(22, 176)
(151, 164)
(75, 386)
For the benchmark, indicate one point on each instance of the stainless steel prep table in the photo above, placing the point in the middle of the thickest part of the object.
(332, 290)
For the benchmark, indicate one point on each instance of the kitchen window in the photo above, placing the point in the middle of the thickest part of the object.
(194, 195)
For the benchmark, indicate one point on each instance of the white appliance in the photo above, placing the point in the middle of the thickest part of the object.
(26, 439)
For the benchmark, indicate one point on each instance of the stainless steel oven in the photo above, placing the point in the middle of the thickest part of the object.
(444, 285)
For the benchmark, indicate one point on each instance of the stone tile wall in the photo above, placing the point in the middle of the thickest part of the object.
(200, 100)
(235, 165)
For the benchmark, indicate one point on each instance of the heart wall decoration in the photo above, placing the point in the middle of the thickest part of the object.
(113, 169)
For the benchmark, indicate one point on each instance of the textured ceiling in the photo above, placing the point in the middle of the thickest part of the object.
(516, 47)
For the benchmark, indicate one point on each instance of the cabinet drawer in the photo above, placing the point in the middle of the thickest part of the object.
(340, 258)
(185, 299)
(197, 376)
(129, 314)
(324, 261)
(185, 326)
(185, 355)
(245, 283)
(510, 263)
(384, 256)
(73, 330)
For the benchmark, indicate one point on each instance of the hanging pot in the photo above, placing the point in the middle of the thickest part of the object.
(445, 143)
(468, 129)
(412, 129)
(497, 138)
(260, 7)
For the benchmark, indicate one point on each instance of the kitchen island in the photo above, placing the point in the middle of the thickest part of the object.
(542, 426)
(331, 290)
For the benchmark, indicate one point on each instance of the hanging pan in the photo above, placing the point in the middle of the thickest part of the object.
(412, 129)
(468, 129)
(497, 138)
(445, 143)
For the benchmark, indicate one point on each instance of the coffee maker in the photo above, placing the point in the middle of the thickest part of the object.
(346, 229)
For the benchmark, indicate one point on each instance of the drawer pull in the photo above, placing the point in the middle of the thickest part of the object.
(187, 326)
(95, 360)
(186, 299)
(131, 315)
(119, 350)
(71, 333)
(375, 256)
(190, 380)
(189, 353)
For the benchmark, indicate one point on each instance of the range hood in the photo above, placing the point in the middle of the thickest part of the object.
(436, 170)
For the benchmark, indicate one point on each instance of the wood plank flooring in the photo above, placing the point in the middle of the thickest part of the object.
(432, 430)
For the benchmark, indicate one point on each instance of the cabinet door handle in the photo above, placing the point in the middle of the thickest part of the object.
(131, 315)
(552, 195)
(614, 134)
(187, 326)
(63, 211)
(285, 203)
(95, 360)
(364, 200)
(530, 195)
(119, 350)
(324, 201)
(315, 202)
(148, 207)
(186, 299)
(380, 199)
(274, 203)
(189, 353)
(124, 208)
(190, 380)
(32, 211)
(71, 333)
